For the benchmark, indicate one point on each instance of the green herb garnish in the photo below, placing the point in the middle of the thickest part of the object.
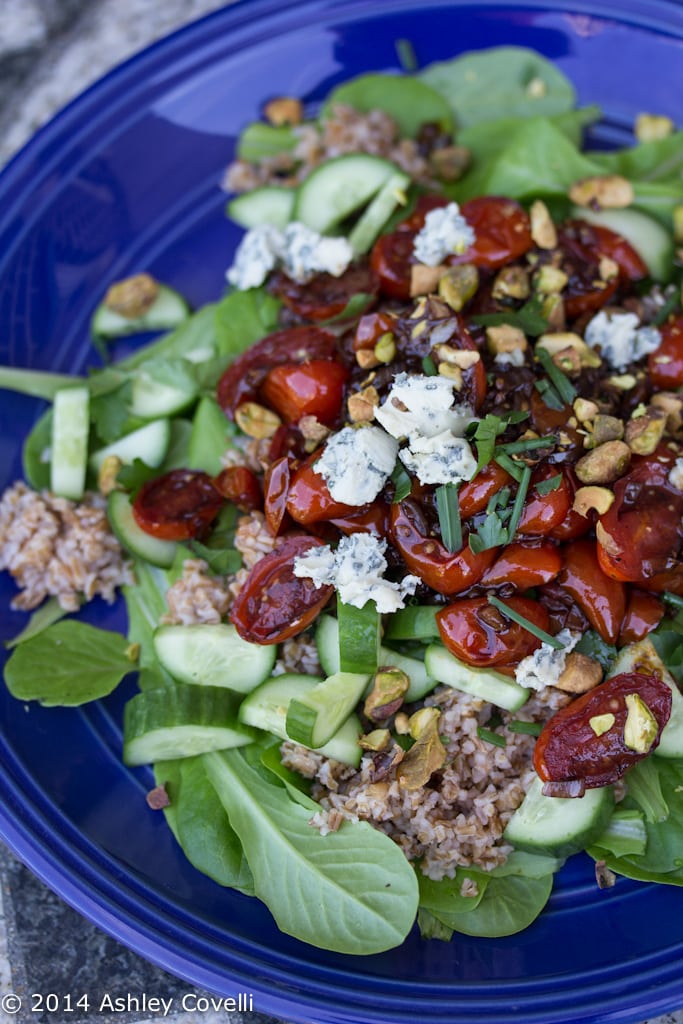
(528, 728)
(401, 481)
(449, 516)
(491, 737)
(561, 383)
(546, 486)
(535, 630)
(529, 318)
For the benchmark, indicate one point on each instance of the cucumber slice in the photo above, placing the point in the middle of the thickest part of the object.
(151, 399)
(327, 643)
(416, 622)
(149, 443)
(168, 310)
(213, 654)
(69, 448)
(643, 657)
(314, 718)
(358, 635)
(647, 236)
(180, 721)
(559, 826)
(486, 683)
(338, 188)
(133, 537)
(375, 216)
(266, 708)
(271, 204)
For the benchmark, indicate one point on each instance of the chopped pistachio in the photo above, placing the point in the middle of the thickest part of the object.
(458, 284)
(606, 428)
(463, 357)
(378, 739)
(389, 687)
(623, 381)
(678, 223)
(543, 230)
(652, 127)
(450, 162)
(585, 410)
(132, 297)
(672, 404)
(109, 470)
(453, 373)
(593, 497)
(553, 310)
(361, 406)
(511, 282)
(505, 338)
(424, 279)
(608, 268)
(604, 464)
(385, 349)
(133, 652)
(256, 420)
(641, 726)
(284, 110)
(312, 429)
(427, 755)
(643, 433)
(601, 724)
(580, 673)
(402, 724)
(557, 342)
(602, 191)
(366, 359)
(549, 280)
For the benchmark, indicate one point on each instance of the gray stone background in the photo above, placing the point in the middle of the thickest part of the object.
(50, 50)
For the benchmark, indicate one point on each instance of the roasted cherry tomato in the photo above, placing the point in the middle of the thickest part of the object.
(543, 512)
(306, 389)
(640, 535)
(391, 259)
(501, 228)
(240, 486)
(583, 246)
(481, 635)
(373, 519)
(275, 490)
(326, 296)
(601, 599)
(242, 379)
(444, 571)
(666, 363)
(309, 499)
(475, 495)
(574, 524)
(370, 329)
(273, 603)
(644, 612)
(524, 565)
(178, 505)
(569, 747)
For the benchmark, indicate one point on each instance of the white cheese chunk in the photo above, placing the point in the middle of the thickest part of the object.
(676, 475)
(422, 406)
(357, 570)
(356, 463)
(300, 251)
(545, 666)
(620, 338)
(256, 255)
(443, 459)
(445, 233)
(515, 357)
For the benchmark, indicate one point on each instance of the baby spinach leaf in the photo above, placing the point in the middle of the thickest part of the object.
(210, 437)
(67, 664)
(625, 834)
(500, 81)
(659, 160)
(195, 337)
(509, 905)
(242, 318)
(178, 447)
(37, 383)
(49, 612)
(411, 102)
(446, 895)
(645, 790)
(146, 603)
(351, 891)
(204, 830)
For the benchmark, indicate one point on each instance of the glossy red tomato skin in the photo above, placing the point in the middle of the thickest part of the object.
(241, 486)
(640, 536)
(665, 365)
(502, 232)
(425, 555)
(309, 500)
(601, 599)
(391, 259)
(275, 491)
(243, 378)
(374, 519)
(325, 296)
(478, 634)
(315, 389)
(544, 512)
(568, 747)
(475, 494)
(584, 245)
(524, 565)
(178, 505)
(643, 613)
(274, 604)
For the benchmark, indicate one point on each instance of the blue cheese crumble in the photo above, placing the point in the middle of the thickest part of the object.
(421, 406)
(443, 459)
(445, 233)
(301, 252)
(356, 463)
(621, 339)
(356, 569)
(545, 666)
(676, 475)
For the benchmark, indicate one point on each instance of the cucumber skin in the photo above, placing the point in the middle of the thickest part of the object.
(647, 236)
(525, 832)
(486, 684)
(338, 187)
(236, 665)
(149, 443)
(314, 718)
(167, 311)
(133, 538)
(70, 431)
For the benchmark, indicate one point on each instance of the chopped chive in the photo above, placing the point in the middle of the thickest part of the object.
(401, 481)
(449, 516)
(668, 307)
(428, 366)
(551, 484)
(561, 383)
(673, 599)
(535, 630)
(491, 737)
(512, 447)
(498, 500)
(520, 498)
(549, 395)
(508, 464)
(528, 728)
(406, 55)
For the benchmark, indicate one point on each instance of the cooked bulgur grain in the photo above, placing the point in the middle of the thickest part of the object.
(56, 547)
(197, 596)
(253, 539)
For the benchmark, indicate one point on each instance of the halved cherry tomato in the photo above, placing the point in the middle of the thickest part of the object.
(240, 486)
(477, 633)
(583, 246)
(574, 524)
(444, 571)
(374, 520)
(502, 231)
(315, 389)
(603, 600)
(644, 612)
(309, 499)
(391, 259)
(273, 603)
(523, 566)
(547, 420)
(569, 748)
(640, 535)
(543, 512)
(179, 505)
(666, 362)
(275, 490)
(242, 379)
(326, 296)
(475, 495)
(370, 329)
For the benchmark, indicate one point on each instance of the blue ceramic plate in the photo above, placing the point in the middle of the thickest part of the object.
(125, 179)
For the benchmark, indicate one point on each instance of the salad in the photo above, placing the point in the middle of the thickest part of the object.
(397, 519)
